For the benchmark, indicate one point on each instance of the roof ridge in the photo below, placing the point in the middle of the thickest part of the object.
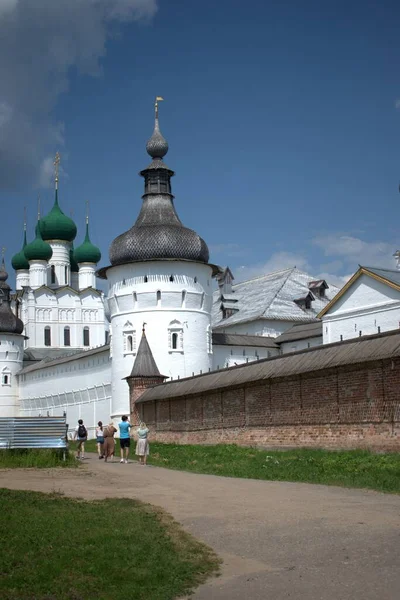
(263, 276)
(278, 291)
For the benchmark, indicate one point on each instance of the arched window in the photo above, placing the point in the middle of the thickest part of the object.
(129, 343)
(66, 274)
(47, 336)
(86, 337)
(6, 377)
(183, 298)
(67, 336)
(171, 278)
(158, 298)
(175, 336)
(134, 299)
(195, 279)
(52, 274)
(146, 279)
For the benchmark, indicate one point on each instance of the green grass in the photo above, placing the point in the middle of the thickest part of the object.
(41, 459)
(355, 468)
(64, 549)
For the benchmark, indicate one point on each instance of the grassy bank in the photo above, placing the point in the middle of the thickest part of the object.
(356, 468)
(59, 548)
(40, 459)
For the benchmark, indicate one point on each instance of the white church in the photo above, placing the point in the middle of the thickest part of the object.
(66, 347)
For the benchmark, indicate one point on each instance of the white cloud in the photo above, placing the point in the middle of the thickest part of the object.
(277, 262)
(40, 42)
(353, 251)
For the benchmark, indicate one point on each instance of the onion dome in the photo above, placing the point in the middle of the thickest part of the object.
(19, 261)
(38, 249)
(158, 233)
(56, 225)
(9, 323)
(72, 261)
(87, 252)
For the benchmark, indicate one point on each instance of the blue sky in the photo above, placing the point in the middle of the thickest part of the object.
(281, 119)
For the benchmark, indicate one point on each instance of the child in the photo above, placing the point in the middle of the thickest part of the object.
(142, 446)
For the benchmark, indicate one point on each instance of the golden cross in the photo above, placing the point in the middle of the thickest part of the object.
(56, 163)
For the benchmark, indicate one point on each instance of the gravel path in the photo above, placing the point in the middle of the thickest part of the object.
(278, 540)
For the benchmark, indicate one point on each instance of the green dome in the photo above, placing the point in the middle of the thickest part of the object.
(87, 252)
(19, 261)
(38, 249)
(56, 225)
(72, 261)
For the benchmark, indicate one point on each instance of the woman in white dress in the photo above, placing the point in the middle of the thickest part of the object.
(142, 446)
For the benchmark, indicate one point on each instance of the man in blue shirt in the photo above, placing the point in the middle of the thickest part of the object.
(124, 438)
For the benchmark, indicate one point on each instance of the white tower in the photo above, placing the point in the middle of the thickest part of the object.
(11, 350)
(159, 275)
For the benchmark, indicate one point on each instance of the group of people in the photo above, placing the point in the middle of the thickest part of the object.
(106, 442)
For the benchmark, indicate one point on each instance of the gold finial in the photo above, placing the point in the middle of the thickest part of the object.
(158, 99)
(56, 163)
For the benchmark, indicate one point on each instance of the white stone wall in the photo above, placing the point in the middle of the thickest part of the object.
(228, 356)
(258, 327)
(143, 292)
(11, 357)
(300, 344)
(368, 306)
(61, 308)
(80, 386)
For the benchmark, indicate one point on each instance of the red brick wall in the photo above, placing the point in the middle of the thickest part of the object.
(354, 406)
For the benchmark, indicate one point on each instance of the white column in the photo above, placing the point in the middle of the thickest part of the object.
(22, 279)
(37, 273)
(87, 275)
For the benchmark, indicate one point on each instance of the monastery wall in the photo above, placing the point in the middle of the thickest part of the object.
(350, 406)
(229, 356)
(265, 327)
(79, 386)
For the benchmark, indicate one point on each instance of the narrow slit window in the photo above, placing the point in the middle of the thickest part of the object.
(86, 337)
(130, 343)
(158, 298)
(53, 274)
(174, 341)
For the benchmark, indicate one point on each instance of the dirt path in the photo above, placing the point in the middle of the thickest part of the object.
(278, 540)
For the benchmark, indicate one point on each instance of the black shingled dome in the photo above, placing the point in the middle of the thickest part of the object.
(9, 323)
(158, 232)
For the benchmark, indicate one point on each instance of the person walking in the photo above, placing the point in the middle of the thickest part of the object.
(124, 438)
(100, 439)
(81, 436)
(109, 442)
(142, 446)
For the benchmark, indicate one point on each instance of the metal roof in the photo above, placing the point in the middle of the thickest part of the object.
(272, 297)
(236, 339)
(355, 351)
(50, 362)
(300, 331)
(389, 274)
(144, 365)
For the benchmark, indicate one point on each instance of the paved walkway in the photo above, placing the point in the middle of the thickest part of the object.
(277, 540)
